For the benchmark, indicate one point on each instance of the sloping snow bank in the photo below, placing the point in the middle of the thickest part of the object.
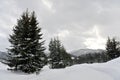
(101, 71)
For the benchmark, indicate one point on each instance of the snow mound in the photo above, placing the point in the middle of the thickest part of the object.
(97, 71)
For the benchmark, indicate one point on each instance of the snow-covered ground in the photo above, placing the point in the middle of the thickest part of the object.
(101, 71)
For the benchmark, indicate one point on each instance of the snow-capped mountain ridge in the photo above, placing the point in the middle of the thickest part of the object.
(85, 51)
(3, 55)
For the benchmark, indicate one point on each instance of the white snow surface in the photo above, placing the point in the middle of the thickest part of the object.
(97, 71)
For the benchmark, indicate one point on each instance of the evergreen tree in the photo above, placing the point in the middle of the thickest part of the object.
(27, 51)
(112, 48)
(66, 58)
(59, 58)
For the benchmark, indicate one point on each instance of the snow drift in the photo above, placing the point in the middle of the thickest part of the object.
(96, 71)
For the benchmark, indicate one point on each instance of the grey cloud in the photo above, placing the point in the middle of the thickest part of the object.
(76, 16)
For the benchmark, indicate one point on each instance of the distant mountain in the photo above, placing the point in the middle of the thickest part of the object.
(3, 55)
(85, 51)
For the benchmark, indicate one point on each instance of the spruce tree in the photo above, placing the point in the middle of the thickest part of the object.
(112, 48)
(26, 52)
(59, 58)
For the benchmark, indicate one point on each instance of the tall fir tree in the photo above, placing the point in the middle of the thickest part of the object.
(58, 58)
(26, 52)
(112, 48)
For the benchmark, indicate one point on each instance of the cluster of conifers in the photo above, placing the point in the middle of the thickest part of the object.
(26, 52)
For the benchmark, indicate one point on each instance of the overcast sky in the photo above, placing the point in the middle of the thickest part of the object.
(78, 23)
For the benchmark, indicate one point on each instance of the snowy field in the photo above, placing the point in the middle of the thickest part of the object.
(101, 71)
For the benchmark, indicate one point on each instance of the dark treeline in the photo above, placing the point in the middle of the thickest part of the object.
(91, 58)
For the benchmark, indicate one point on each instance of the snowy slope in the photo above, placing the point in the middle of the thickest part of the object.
(101, 71)
(85, 51)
